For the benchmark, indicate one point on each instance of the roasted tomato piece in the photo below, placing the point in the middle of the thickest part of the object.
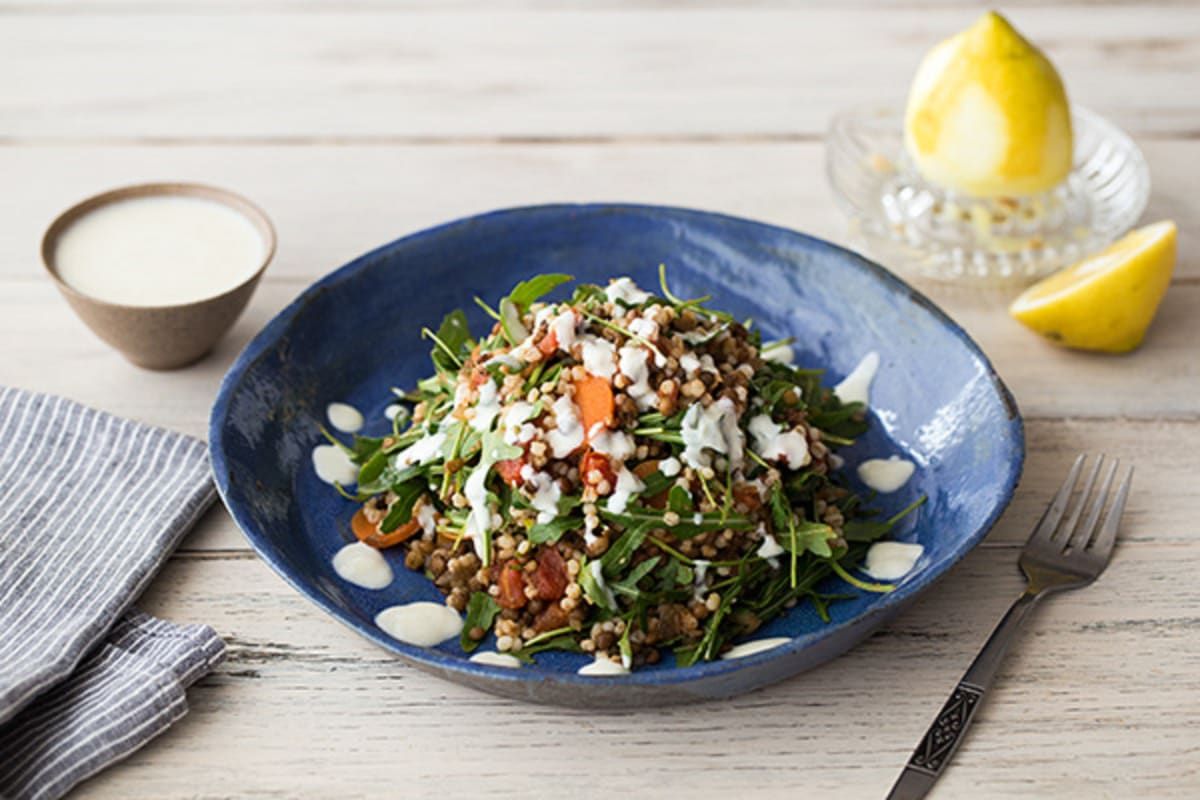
(509, 470)
(512, 586)
(595, 468)
(551, 619)
(550, 578)
(548, 344)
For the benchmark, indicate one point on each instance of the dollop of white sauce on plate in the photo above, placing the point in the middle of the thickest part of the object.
(856, 387)
(757, 646)
(494, 659)
(421, 623)
(886, 475)
(344, 417)
(363, 566)
(602, 667)
(333, 465)
(889, 561)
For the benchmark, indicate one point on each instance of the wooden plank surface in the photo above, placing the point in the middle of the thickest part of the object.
(1107, 675)
(353, 123)
(222, 75)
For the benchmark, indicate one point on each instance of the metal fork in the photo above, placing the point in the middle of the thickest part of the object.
(1056, 557)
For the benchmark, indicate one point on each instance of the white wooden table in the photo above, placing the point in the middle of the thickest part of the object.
(353, 123)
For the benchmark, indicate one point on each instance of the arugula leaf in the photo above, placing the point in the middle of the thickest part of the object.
(812, 537)
(481, 613)
(453, 337)
(863, 530)
(525, 293)
(401, 510)
(552, 531)
(369, 471)
(565, 641)
(628, 585)
(617, 556)
(600, 595)
(680, 500)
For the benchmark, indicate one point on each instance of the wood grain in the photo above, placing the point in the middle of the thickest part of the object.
(520, 74)
(331, 203)
(304, 703)
(355, 122)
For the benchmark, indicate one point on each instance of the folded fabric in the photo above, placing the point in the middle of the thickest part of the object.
(91, 505)
(128, 690)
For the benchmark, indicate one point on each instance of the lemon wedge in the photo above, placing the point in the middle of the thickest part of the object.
(987, 115)
(1106, 301)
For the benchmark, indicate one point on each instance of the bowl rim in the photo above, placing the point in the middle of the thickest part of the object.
(447, 663)
(232, 200)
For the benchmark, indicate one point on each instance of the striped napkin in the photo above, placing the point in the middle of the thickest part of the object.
(91, 506)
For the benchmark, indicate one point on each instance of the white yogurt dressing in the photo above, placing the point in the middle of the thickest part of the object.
(494, 659)
(886, 475)
(363, 566)
(567, 436)
(773, 443)
(161, 250)
(670, 467)
(713, 428)
(421, 451)
(889, 561)
(599, 357)
(627, 486)
(625, 291)
(770, 547)
(617, 445)
(750, 648)
(602, 667)
(856, 387)
(632, 363)
(345, 418)
(333, 465)
(486, 407)
(699, 573)
(689, 364)
(421, 623)
(545, 496)
(392, 411)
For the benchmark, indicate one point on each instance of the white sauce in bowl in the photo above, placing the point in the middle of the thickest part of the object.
(885, 475)
(345, 418)
(158, 251)
(421, 623)
(333, 465)
(889, 561)
(856, 387)
(494, 659)
(363, 566)
(602, 667)
(757, 646)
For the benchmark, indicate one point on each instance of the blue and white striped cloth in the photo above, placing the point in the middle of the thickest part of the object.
(91, 506)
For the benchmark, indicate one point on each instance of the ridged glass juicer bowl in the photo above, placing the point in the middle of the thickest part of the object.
(913, 226)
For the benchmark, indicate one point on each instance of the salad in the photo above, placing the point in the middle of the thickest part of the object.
(616, 474)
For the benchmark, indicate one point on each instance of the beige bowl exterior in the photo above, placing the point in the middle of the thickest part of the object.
(161, 337)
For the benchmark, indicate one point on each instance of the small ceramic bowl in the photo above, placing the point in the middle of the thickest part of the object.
(161, 336)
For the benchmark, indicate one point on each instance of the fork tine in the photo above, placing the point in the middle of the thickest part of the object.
(1079, 539)
(1068, 527)
(1053, 513)
(1103, 544)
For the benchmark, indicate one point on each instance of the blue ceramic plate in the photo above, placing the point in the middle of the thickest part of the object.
(355, 334)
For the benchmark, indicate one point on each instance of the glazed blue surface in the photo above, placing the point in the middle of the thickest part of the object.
(355, 334)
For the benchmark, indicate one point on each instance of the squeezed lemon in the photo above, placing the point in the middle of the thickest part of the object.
(987, 114)
(1106, 301)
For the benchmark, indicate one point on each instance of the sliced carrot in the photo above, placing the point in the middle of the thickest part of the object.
(367, 532)
(594, 397)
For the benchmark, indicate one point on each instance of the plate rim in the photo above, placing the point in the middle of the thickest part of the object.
(681, 676)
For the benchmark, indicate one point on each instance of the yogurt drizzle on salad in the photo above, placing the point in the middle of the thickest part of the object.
(421, 623)
(363, 566)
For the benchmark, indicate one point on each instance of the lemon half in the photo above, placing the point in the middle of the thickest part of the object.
(1106, 301)
(987, 115)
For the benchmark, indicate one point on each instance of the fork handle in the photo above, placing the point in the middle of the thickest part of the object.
(932, 755)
